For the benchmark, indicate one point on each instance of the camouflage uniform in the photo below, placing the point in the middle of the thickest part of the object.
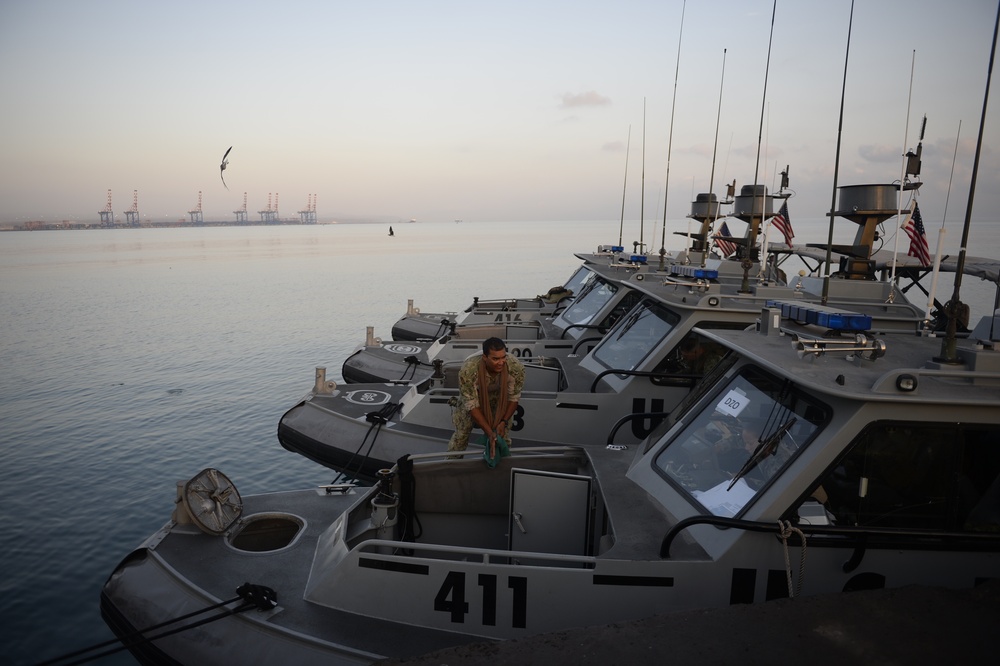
(468, 398)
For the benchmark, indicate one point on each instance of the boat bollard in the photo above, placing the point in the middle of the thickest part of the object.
(370, 339)
(323, 387)
(410, 310)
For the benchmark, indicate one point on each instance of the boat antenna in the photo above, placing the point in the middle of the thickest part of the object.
(836, 165)
(621, 225)
(718, 115)
(941, 233)
(902, 176)
(715, 150)
(761, 265)
(747, 262)
(954, 307)
(670, 142)
(642, 182)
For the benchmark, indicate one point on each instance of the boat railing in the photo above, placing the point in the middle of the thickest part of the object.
(407, 550)
(520, 451)
(846, 537)
(583, 341)
(687, 380)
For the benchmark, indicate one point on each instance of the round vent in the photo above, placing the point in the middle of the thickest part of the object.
(212, 501)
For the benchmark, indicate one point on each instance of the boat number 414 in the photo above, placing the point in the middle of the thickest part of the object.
(452, 598)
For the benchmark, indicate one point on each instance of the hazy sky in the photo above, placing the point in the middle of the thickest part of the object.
(481, 110)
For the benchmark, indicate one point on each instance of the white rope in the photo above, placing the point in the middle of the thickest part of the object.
(785, 530)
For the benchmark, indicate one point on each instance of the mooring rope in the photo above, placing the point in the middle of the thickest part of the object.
(785, 530)
(412, 363)
(254, 596)
(377, 420)
(444, 326)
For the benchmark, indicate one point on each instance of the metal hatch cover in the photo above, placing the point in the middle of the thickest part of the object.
(212, 501)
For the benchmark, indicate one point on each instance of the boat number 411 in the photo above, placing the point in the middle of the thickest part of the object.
(451, 598)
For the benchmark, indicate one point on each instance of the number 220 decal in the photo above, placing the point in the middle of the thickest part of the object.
(451, 598)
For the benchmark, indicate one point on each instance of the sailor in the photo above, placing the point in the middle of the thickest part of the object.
(489, 389)
(755, 436)
(733, 450)
(696, 357)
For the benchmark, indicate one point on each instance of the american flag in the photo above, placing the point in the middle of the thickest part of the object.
(914, 228)
(783, 223)
(726, 246)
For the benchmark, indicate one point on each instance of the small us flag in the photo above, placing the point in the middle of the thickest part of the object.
(727, 247)
(914, 228)
(783, 223)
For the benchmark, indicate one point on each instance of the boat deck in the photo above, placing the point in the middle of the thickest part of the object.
(217, 568)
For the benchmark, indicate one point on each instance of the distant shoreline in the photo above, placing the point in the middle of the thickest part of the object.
(69, 225)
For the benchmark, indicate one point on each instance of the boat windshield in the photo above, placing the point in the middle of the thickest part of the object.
(575, 283)
(593, 295)
(635, 336)
(743, 436)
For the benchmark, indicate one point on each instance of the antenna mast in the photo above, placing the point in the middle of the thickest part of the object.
(628, 145)
(836, 165)
(670, 142)
(954, 308)
(748, 252)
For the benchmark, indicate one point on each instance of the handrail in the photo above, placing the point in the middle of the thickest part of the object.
(576, 347)
(515, 452)
(370, 547)
(631, 417)
(640, 373)
(596, 327)
(986, 540)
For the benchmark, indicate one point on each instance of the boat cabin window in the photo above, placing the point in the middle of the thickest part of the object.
(624, 306)
(635, 336)
(593, 295)
(742, 437)
(575, 283)
(693, 357)
(933, 476)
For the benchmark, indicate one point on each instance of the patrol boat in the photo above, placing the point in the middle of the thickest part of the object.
(415, 325)
(637, 372)
(819, 462)
(600, 295)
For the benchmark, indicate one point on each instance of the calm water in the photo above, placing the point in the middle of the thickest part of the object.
(132, 359)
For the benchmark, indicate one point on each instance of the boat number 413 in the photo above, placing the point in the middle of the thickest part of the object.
(452, 598)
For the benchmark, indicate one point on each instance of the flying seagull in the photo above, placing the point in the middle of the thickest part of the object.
(222, 167)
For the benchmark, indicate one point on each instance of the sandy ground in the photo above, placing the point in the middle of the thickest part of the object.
(911, 625)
